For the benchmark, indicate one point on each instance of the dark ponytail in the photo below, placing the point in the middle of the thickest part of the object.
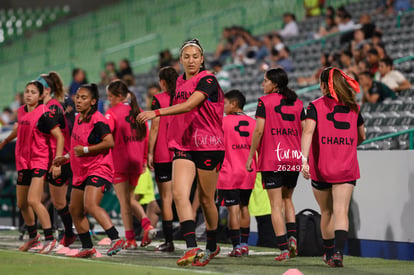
(169, 75)
(279, 77)
(55, 83)
(120, 88)
(93, 90)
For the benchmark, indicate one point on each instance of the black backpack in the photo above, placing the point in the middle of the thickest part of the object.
(310, 242)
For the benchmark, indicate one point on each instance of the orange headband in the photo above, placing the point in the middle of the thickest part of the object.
(352, 82)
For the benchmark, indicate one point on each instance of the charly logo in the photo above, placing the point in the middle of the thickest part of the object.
(131, 119)
(285, 116)
(242, 133)
(341, 125)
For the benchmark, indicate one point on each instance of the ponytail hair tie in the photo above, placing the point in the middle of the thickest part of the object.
(352, 82)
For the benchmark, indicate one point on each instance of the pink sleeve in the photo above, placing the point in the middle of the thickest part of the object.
(111, 120)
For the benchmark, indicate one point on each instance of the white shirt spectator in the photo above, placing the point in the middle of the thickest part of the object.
(290, 29)
(350, 25)
(393, 79)
(223, 78)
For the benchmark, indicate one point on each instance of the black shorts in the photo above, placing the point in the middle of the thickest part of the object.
(205, 160)
(235, 196)
(321, 185)
(65, 175)
(278, 179)
(163, 171)
(24, 177)
(94, 181)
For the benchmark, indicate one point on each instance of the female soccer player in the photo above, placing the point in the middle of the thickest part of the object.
(333, 130)
(278, 131)
(159, 157)
(235, 184)
(129, 156)
(196, 135)
(35, 124)
(92, 166)
(53, 95)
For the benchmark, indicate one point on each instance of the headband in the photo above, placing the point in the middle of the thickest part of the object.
(43, 82)
(352, 82)
(191, 43)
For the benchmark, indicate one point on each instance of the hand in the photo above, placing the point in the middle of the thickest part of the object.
(59, 161)
(78, 150)
(144, 116)
(249, 164)
(305, 170)
(150, 161)
(56, 171)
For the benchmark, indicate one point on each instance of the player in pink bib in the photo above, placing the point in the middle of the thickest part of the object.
(235, 184)
(92, 166)
(35, 125)
(129, 155)
(278, 132)
(196, 135)
(53, 96)
(334, 128)
(160, 157)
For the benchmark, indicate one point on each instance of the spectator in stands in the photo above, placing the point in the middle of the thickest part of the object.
(330, 12)
(277, 41)
(345, 22)
(363, 66)
(313, 79)
(222, 76)
(265, 46)
(130, 81)
(78, 79)
(376, 37)
(109, 74)
(290, 27)
(153, 89)
(223, 48)
(15, 105)
(124, 68)
(374, 91)
(389, 7)
(282, 59)
(373, 60)
(367, 26)
(176, 65)
(329, 27)
(382, 53)
(165, 59)
(401, 5)
(313, 7)
(239, 49)
(394, 79)
(346, 60)
(6, 117)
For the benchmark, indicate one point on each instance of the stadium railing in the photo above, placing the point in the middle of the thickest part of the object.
(410, 133)
(401, 14)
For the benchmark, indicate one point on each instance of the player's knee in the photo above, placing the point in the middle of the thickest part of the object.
(33, 202)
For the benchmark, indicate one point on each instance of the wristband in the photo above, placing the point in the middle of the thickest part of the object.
(67, 156)
(85, 149)
(157, 112)
(304, 159)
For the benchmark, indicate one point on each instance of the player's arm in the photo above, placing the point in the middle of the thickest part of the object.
(152, 140)
(257, 137)
(102, 131)
(404, 85)
(10, 137)
(361, 129)
(307, 135)
(60, 140)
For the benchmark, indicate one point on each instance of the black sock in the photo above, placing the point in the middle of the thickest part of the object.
(85, 239)
(211, 240)
(291, 230)
(282, 242)
(48, 232)
(67, 221)
(32, 230)
(244, 233)
(168, 231)
(112, 233)
(340, 239)
(235, 237)
(188, 231)
(328, 247)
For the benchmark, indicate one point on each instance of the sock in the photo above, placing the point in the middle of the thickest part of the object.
(340, 239)
(328, 247)
(130, 235)
(168, 231)
(244, 233)
(67, 221)
(112, 233)
(188, 231)
(145, 223)
(48, 232)
(291, 230)
(235, 237)
(85, 239)
(211, 240)
(32, 231)
(282, 242)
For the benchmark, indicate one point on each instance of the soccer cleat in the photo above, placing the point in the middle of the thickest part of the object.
(338, 259)
(66, 241)
(116, 246)
(215, 253)
(165, 247)
(149, 234)
(48, 247)
(208, 255)
(236, 252)
(86, 253)
(30, 243)
(293, 247)
(325, 258)
(244, 249)
(283, 256)
(130, 245)
(190, 256)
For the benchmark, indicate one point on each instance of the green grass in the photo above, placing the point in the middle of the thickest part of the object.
(147, 261)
